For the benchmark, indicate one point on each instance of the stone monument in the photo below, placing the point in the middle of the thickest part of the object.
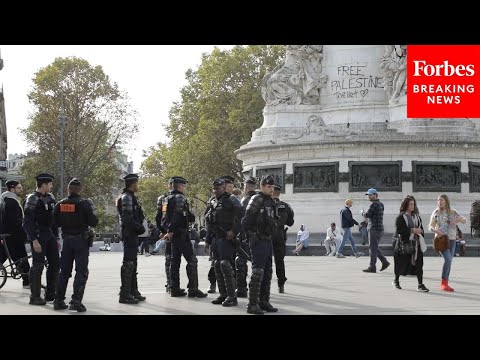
(335, 125)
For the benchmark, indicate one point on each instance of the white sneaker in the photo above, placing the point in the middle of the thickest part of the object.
(331, 254)
(147, 254)
(328, 253)
(340, 255)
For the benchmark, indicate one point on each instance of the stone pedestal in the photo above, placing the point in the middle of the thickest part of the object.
(336, 149)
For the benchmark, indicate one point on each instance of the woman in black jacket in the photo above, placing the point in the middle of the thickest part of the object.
(408, 227)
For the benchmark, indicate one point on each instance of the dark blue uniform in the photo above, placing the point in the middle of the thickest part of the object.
(162, 203)
(74, 215)
(279, 240)
(176, 220)
(259, 224)
(131, 216)
(241, 259)
(223, 216)
(39, 225)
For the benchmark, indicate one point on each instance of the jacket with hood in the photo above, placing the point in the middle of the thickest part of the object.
(12, 216)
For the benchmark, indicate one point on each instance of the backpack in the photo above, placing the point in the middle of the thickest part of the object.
(475, 218)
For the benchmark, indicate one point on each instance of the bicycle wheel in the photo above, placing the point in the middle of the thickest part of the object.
(3, 275)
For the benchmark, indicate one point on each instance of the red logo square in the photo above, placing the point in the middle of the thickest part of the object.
(443, 81)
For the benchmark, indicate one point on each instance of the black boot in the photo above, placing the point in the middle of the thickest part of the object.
(221, 284)
(76, 303)
(264, 302)
(254, 292)
(136, 294)
(227, 271)
(36, 284)
(52, 277)
(213, 288)
(126, 273)
(167, 272)
(241, 269)
(192, 273)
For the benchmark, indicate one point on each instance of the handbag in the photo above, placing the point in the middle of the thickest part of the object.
(441, 243)
(403, 247)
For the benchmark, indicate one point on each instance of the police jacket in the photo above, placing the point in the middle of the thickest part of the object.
(162, 202)
(75, 214)
(131, 214)
(285, 217)
(260, 216)
(177, 215)
(38, 215)
(224, 214)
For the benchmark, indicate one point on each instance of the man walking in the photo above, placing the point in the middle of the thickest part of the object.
(347, 222)
(375, 231)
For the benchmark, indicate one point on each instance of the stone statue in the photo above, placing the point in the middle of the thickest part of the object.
(299, 80)
(394, 65)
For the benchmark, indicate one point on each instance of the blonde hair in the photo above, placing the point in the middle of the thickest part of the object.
(348, 201)
(448, 209)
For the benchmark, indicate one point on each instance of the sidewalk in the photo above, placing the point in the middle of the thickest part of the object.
(316, 285)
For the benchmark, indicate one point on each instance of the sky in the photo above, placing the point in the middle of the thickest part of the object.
(152, 75)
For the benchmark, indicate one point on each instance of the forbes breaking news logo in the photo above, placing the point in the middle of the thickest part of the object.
(442, 81)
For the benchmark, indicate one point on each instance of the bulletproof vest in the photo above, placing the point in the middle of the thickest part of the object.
(164, 208)
(222, 212)
(44, 210)
(170, 204)
(70, 217)
(282, 214)
(268, 216)
(136, 207)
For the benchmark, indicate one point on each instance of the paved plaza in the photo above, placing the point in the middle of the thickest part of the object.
(317, 285)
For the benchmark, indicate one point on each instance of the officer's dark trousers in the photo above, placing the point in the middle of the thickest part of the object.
(130, 249)
(16, 249)
(241, 267)
(168, 260)
(279, 248)
(75, 248)
(49, 250)
(211, 273)
(224, 253)
(261, 255)
(181, 245)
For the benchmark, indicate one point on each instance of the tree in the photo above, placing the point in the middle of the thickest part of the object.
(99, 120)
(220, 107)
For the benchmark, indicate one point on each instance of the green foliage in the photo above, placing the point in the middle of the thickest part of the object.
(98, 120)
(220, 107)
(107, 222)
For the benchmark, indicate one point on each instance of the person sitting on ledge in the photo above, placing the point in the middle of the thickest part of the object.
(303, 239)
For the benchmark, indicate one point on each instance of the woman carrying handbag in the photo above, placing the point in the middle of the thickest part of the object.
(408, 252)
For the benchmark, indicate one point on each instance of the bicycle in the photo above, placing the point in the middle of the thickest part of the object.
(13, 266)
(14, 272)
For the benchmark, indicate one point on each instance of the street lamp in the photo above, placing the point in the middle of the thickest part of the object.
(62, 120)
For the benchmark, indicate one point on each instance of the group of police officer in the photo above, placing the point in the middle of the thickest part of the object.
(237, 231)
(250, 229)
(39, 221)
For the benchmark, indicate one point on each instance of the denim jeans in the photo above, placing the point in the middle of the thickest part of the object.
(347, 235)
(448, 257)
(375, 252)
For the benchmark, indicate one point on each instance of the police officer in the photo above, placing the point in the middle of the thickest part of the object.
(223, 225)
(74, 215)
(43, 237)
(131, 216)
(12, 218)
(279, 238)
(176, 223)
(162, 202)
(241, 266)
(259, 224)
